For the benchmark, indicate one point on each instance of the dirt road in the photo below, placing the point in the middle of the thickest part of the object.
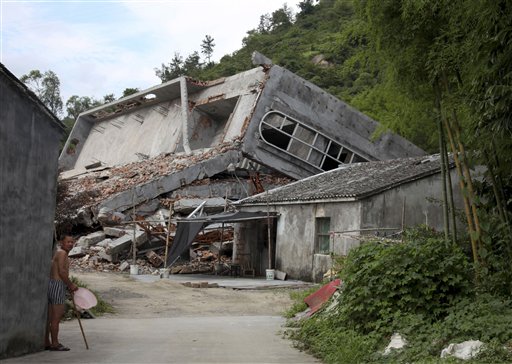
(132, 298)
(164, 322)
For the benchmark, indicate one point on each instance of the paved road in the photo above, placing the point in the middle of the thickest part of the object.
(233, 339)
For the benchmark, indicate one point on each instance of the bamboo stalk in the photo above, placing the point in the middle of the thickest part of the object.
(467, 208)
(446, 223)
(469, 180)
(450, 193)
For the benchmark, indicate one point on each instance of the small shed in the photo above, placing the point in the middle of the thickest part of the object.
(29, 148)
(327, 213)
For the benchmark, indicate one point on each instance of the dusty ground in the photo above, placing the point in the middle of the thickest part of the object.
(165, 298)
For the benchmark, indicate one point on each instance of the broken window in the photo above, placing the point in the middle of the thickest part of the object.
(323, 226)
(303, 142)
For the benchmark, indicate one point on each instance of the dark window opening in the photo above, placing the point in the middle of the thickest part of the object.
(323, 226)
(329, 164)
(334, 150)
(277, 138)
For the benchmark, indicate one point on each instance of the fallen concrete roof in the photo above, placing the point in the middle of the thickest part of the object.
(120, 187)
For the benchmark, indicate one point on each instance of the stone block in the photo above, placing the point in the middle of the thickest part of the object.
(123, 266)
(104, 243)
(113, 231)
(77, 252)
(125, 242)
(91, 239)
(107, 217)
(103, 255)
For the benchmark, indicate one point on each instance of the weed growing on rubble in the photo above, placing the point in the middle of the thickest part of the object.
(420, 288)
(298, 297)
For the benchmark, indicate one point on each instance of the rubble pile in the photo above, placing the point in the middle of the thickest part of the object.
(85, 191)
(110, 250)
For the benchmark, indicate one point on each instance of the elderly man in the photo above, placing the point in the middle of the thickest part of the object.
(59, 281)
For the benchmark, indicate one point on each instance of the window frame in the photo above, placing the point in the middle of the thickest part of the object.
(321, 233)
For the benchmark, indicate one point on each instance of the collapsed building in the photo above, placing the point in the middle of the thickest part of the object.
(187, 142)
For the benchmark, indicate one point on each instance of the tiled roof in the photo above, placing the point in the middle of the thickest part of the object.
(352, 181)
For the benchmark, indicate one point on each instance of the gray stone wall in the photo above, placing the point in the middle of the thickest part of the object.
(29, 145)
(295, 237)
(422, 200)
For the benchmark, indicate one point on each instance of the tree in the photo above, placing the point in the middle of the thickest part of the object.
(281, 17)
(77, 105)
(265, 24)
(171, 71)
(306, 7)
(192, 65)
(109, 98)
(207, 48)
(47, 88)
(130, 91)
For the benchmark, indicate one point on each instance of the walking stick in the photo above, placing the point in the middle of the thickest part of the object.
(79, 322)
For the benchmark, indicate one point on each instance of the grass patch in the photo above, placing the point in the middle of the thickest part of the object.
(100, 309)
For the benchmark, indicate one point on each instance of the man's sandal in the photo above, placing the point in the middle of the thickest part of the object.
(59, 347)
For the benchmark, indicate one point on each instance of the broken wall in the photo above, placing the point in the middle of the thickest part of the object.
(302, 130)
(29, 144)
(149, 123)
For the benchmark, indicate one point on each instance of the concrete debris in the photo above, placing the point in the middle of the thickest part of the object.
(104, 243)
(88, 191)
(106, 217)
(77, 252)
(212, 205)
(124, 266)
(91, 239)
(397, 342)
(103, 255)
(210, 247)
(125, 241)
(465, 350)
(84, 217)
(113, 231)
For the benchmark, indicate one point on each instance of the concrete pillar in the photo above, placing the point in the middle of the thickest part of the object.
(184, 114)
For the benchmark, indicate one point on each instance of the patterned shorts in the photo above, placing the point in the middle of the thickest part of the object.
(56, 292)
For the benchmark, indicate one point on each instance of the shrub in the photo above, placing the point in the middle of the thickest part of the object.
(415, 277)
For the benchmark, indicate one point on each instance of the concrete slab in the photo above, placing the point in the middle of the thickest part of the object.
(232, 339)
(227, 282)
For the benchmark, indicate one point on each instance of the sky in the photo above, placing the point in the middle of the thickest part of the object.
(103, 47)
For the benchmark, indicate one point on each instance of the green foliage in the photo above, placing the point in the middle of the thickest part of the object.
(333, 343)
(420, 288)
(207, 46)
(423, 277)
(129, 91)
(46, 86)
(101, 308)
(299, 304)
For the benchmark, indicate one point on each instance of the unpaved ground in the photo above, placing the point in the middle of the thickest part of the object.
(165, 298)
